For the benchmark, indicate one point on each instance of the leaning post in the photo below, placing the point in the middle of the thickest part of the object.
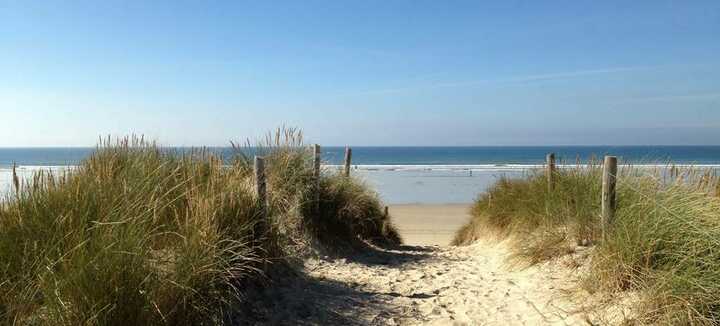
(550, 171)
(348, 161)
(261, 193)
(609, 181)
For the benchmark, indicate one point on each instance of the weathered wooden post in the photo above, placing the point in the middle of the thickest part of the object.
(550, 171)
(609, 180)
(316, 175)
(348, 161)
(385, 221)
(672, 171)
(16, 180)
(316, 161)
(261, 193)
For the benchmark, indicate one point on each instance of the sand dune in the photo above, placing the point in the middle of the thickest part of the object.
(424, 285)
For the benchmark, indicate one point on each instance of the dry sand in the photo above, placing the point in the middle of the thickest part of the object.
(429, 224)
(423, 285)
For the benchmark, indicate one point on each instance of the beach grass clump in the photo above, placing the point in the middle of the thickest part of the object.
(333, 213)
(662, 243)
(351, 214)
(133, 235)
(140, 235)
(548, 221)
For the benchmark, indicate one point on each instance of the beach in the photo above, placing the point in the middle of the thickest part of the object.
(425, 285)
(423, 280)
(429, 224)
(360, 163)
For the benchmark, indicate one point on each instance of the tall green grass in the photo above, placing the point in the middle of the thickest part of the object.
(349, 212)
(549, 222)
(138, 235)
(662, 244)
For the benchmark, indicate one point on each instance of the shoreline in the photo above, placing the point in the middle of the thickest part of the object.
(505, 167)
(443, 167)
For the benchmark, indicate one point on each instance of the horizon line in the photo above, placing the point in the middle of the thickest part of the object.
(385, 146)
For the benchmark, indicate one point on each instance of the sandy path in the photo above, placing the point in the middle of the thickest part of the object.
(435, 224)
(423, 286)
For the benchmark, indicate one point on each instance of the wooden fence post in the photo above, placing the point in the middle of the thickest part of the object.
(348, 161)
(385, 221)
(672, 171)
(316, 175)
(16, 180)
(316, 161)
(550, 171)
(609, 180)
(261, 191)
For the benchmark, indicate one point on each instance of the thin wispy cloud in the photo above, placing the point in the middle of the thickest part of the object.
(673, 98)
(575, 74)
(509, 80)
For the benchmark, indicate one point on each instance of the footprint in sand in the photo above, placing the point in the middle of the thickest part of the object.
(453, 286)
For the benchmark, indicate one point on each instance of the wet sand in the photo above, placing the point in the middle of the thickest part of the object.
(429, 224)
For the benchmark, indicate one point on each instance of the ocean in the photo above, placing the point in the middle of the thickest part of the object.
(416, 174)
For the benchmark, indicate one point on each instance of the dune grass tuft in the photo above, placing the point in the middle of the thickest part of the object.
(525, 206)
(140, 235)
(133, 235)
(662, 244)
(350, 211)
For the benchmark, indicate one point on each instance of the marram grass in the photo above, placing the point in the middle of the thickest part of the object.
(137, 235)
(664, 242)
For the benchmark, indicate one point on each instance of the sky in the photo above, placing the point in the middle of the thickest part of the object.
(442, 73)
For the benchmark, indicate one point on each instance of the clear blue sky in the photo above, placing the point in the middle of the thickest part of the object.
(361, 72)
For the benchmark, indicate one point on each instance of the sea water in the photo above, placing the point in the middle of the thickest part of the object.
(415, 174)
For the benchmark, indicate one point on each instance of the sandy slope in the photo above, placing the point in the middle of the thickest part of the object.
(422, 285)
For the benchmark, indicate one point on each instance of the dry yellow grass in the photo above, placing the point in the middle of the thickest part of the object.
(663, 242)
(140, 235)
